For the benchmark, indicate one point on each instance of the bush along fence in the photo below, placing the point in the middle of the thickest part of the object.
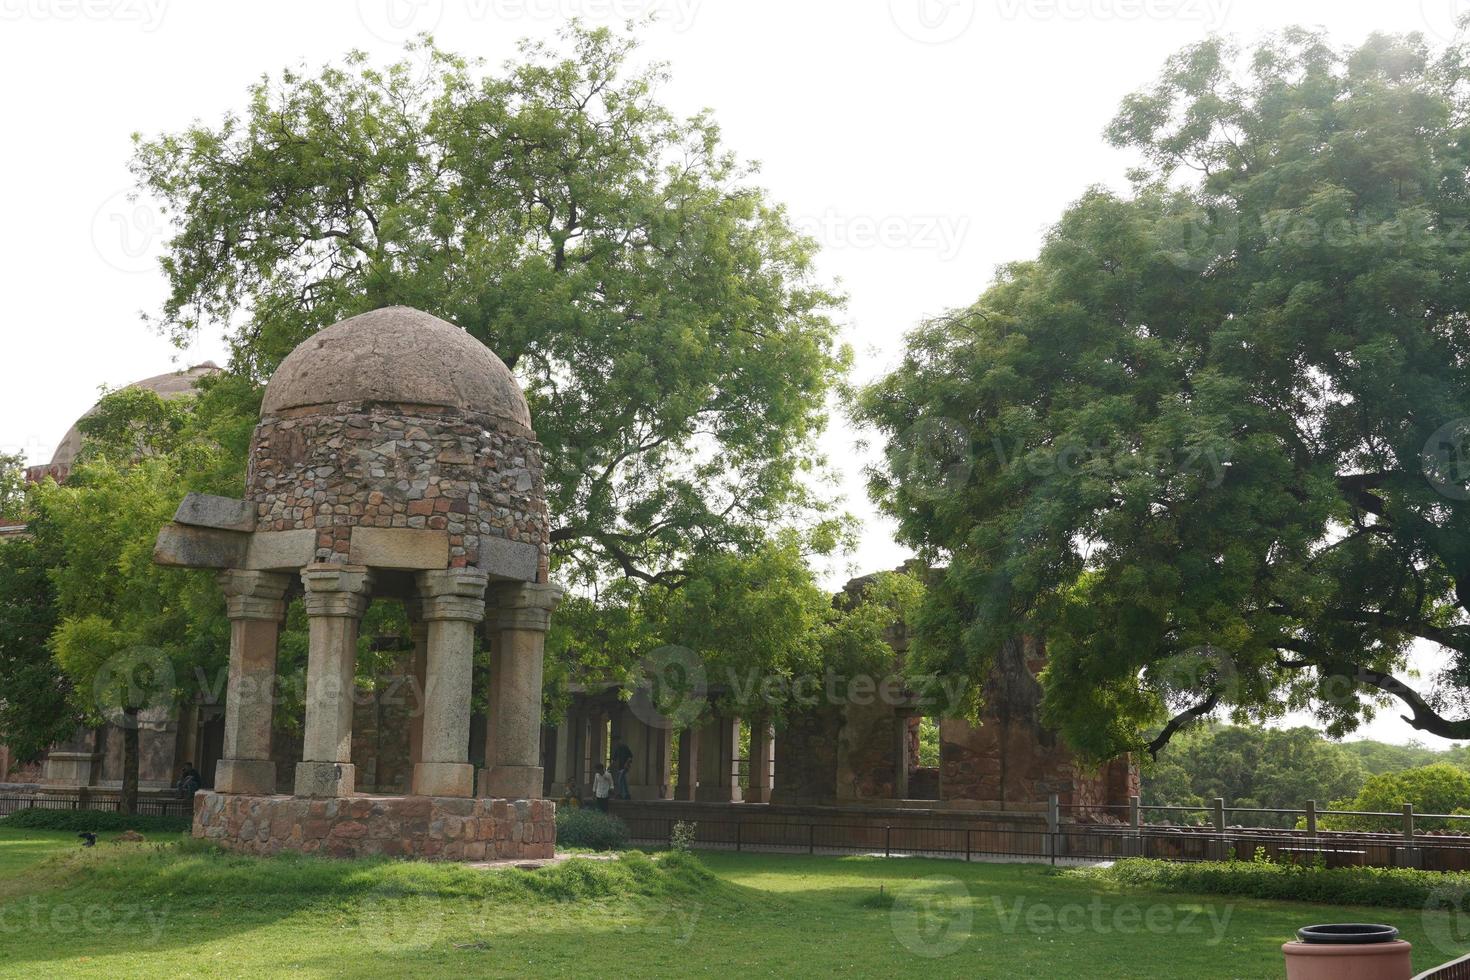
(153, 804)
(1070, 834)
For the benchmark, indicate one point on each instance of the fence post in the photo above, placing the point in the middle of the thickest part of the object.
(811, 838)
(1053, 825)
(1411, 853)
(1135, 820)
(967, 845)
(1311, 818)
(1218, 818)
(738, 827)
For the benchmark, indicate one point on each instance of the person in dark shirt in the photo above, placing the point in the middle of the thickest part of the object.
(189, 781)
(622, 758)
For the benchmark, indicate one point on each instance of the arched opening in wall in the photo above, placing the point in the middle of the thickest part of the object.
(924, 782)
(919, 737)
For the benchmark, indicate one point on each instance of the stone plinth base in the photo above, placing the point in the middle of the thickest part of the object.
(428, 827)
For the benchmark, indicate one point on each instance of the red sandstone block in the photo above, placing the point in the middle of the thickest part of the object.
(357, 809)
(438, 522)
(474, 850)
(351, 829)
(420, 508)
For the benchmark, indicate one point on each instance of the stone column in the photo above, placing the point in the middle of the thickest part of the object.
(336, 597)
(762, 762)
(522, 613)
(688, 764)
(719, 748)
(452, 603)
(567, 759)
(256, 605)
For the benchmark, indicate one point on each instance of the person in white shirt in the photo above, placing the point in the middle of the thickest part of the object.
(601, 786)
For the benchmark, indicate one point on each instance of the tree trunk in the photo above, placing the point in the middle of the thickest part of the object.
(130, 761)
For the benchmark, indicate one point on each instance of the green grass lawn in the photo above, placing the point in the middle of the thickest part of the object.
(181, 910)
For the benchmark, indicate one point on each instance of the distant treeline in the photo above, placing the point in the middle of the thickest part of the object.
(1254, 767)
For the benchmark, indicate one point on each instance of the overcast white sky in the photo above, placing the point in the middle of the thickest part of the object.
(923, 142)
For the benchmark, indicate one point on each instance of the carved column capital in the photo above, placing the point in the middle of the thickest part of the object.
(524, 605)
(254, 594)
(451, 593)
(337, 590)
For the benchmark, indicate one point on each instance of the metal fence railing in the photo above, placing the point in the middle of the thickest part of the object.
(107, 802)
(1091, 833)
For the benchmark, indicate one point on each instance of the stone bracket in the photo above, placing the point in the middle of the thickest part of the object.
(220, 513)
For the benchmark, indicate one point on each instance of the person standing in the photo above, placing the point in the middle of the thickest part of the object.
(602, 785)
(622, 761)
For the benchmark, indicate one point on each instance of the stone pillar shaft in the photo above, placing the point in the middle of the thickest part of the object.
(513, 736)
(762, 762)
(452, 604)
(689, 751)
(256, 605)
(336, 597)
(418, 669)
(719, 748)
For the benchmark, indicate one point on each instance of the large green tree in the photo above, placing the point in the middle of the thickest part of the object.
(1253, 767)
(1209, 442)
(660, 311)
(128, 635)
(35, 705)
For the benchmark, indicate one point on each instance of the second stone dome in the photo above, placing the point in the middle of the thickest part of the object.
(396, 354)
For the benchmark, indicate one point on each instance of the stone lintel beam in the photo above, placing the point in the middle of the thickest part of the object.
(221, 513)
(502, 558)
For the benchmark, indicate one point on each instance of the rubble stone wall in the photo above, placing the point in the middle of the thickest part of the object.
(376, 465)
(430, 828)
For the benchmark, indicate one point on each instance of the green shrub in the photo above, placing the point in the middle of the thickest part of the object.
(682, 834)
(96, 821)
(593, 829)
(1403, 888)
(1437, 788)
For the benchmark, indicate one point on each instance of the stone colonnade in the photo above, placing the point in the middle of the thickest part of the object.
(708, 754)
(446, 607)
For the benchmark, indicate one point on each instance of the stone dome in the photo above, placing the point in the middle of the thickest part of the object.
(171, 385)
(396, 355)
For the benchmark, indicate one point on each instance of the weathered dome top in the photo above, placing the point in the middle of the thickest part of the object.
(396, 354)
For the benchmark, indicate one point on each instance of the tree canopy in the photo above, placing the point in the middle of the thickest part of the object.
(660, 311)
(1209, 441)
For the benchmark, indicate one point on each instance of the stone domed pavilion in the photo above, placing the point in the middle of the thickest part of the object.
(394, 459)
